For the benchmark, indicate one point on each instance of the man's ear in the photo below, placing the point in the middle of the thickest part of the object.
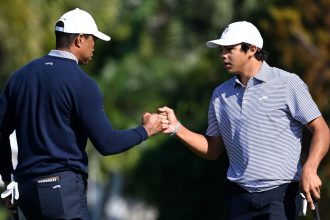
(252, 50)
(78, 40)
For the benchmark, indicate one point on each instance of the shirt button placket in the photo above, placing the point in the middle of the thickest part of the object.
(244, 101)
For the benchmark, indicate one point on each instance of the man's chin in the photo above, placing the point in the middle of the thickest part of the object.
(229, 70)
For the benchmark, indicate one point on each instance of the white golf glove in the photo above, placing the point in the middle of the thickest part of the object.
(12, 189)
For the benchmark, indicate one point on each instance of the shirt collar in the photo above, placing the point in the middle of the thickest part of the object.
(263, 75)
(62, 54)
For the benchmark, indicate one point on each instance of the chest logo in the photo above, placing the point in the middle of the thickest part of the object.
(263, 98)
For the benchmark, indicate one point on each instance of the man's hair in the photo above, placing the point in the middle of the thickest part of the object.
(260, 55)
(65, 40)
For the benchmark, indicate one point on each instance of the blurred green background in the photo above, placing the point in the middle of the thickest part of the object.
(157, 56)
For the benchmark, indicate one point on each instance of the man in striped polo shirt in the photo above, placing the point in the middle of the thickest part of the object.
(258, 116)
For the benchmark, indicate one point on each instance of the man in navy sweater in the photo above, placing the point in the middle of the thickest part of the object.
(54, 106)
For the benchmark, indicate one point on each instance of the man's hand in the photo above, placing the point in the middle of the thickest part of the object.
(172, 121)
(310, 186)
(153, 122)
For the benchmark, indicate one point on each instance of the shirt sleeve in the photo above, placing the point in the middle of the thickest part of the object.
(6, 128)
(105, 138)
(213, 127)
(301, 105)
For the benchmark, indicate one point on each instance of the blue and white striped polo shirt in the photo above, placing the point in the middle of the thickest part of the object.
(261, 125)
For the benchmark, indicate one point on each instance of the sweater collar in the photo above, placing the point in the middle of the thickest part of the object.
(63, 54)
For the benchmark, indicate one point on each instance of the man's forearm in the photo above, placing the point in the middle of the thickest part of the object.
(319, 145)
(199, 144)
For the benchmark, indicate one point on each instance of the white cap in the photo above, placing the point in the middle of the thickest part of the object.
(236, 33)
(80, 22)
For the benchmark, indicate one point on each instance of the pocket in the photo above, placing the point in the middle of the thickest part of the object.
(50, 196)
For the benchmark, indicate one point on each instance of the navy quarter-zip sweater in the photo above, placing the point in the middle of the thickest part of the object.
(54, 106)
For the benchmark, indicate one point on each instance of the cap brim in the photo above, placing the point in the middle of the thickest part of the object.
(220, 42)
(212, 44)
(102, 36)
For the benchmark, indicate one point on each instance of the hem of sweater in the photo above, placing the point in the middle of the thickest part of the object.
(51, 172)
